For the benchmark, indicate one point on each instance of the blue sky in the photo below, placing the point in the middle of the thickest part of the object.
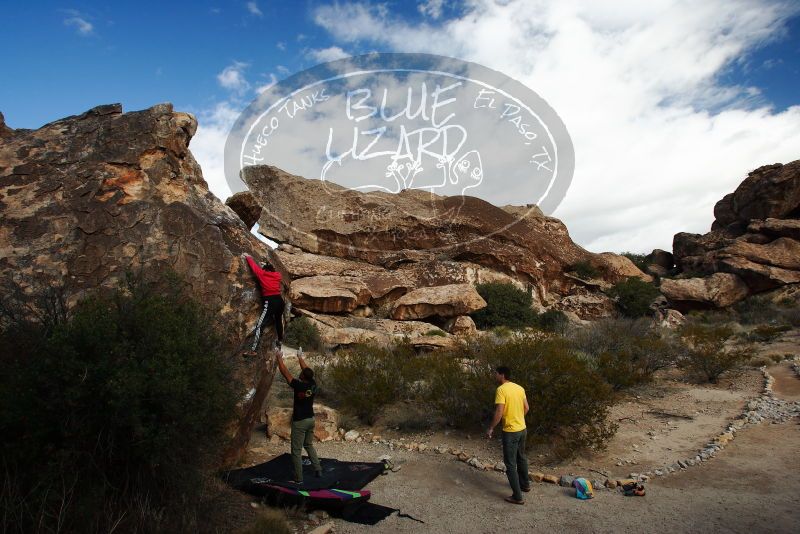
(689, 95)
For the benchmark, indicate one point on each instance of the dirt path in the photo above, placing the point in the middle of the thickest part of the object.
(787, 384)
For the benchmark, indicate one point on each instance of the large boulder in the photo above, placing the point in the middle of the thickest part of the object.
(717, 291)
(463, 325)
(246, 207)
(776, 228)
(771, 191)
(439, 301)
(616, 268)
(329, 294)
(339, 330)
(756, 233)
(89, 198)
(394, 231)
(662, 258)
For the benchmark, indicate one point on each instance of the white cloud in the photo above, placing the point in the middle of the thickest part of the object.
(232, 77)
(79, 23)
(323, 55)
(252, 7)
(431, 8)
(280, 45)
(659, 136)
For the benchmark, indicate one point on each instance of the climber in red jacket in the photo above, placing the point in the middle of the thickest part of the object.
(270, 282)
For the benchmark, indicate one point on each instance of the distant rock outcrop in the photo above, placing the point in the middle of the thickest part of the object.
(87, 198)
(755, 240)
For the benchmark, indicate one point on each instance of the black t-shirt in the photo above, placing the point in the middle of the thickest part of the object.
(304, 393)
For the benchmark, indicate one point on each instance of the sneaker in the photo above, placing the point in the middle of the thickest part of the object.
(512, 500)
(526, 490)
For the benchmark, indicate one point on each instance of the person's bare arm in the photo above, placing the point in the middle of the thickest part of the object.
(283, 369)
(527, 407)
(301, 361)
(498, 415)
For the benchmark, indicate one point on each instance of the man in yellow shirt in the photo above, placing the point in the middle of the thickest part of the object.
(511, 405)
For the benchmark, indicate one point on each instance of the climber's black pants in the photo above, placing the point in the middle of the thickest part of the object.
(272, 314)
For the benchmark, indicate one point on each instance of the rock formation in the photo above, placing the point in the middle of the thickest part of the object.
(398, 244)
(87, 198)
(755, 240)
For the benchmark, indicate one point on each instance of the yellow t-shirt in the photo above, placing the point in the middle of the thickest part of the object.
(513, 396)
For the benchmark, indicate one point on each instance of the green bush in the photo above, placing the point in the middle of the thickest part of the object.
(506, 305)
(760, 309)
(634, 296)
(301, 332)
(707, 352)
(765, 332)
(584, 270)
(364, 378)
(569, 402)
(113, 413)
(626, 352)
(552, 321)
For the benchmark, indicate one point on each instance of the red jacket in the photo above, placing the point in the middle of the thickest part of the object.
(270, 282)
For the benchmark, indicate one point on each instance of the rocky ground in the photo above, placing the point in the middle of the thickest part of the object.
(748, 485)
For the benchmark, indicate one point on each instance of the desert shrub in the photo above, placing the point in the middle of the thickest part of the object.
(639, 260)
(112, 415)
(763, 333)
(717, 316)
(270, 521)
(364, 378)
(707, 353)
(301, 332)
(634, 296)
(552, 321)
(569, 402)
(584, 270)
(502, 332)
(626, 352)
(766, 359)
(506, 305)
(760, 309)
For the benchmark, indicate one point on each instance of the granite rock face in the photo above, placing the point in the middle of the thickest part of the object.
(86, 198)
(246, 207)
(441, 301)
(414, 239)
(755, 235)
(718, 291)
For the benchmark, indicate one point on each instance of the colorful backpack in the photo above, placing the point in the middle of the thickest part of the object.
(583, 488)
